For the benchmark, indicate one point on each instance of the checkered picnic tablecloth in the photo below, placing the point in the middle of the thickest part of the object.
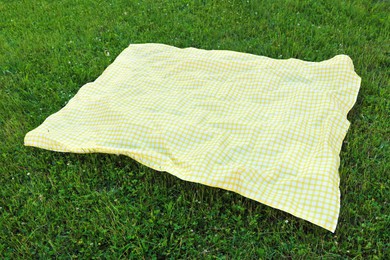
(270, 130)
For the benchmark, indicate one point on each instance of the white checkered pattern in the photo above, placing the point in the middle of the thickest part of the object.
(268, 129)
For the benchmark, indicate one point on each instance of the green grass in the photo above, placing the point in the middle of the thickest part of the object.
(105, 206)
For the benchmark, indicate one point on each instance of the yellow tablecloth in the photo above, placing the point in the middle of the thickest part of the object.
(270, 130)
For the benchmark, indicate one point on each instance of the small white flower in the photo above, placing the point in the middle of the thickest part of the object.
(286, 221)
(28, 174)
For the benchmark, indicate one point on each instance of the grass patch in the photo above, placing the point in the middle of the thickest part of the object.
(105, 206)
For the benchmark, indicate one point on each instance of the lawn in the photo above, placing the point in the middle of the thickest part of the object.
(57, 205)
